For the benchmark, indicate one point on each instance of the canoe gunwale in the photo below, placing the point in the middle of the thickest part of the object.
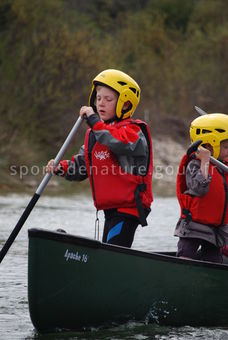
(83, 241)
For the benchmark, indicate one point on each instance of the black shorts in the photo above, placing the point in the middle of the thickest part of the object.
(119, 228)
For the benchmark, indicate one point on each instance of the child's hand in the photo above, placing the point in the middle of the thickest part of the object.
(86, 110)
(203, 154)
(50, 168)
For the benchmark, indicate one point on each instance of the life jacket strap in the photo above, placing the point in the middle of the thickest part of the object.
(142, 216)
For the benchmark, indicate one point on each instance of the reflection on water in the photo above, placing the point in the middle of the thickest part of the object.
(76, 215)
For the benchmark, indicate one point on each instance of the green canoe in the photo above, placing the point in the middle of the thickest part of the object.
(78, 283)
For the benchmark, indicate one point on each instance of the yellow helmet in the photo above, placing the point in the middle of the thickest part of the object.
(124, 85)
(212, 129)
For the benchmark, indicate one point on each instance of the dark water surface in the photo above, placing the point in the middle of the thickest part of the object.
(76, 215)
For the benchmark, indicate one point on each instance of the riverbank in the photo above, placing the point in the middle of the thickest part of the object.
(166, 157)
(167, 154)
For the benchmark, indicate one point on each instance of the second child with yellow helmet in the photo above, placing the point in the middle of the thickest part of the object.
(202, 192)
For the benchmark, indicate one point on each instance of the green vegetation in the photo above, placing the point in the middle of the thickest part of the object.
(50, 50)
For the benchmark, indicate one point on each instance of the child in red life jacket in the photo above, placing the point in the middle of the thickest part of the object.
(116, 156)
(202, 192)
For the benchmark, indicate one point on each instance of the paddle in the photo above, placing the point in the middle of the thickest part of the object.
(38, 192)
(200, 111)
(194, 146)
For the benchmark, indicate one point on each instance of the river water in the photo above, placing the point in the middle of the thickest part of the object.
(76, 215)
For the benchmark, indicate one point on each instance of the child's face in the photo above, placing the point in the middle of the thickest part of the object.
(106, 100)
(223, 150)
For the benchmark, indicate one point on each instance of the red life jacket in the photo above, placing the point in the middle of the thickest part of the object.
(209, 209)
(112, 187)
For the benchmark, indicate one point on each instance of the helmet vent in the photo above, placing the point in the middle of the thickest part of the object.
(135, 91)
(198, 131)
(122, 83)
(132, 89)
(220, 130)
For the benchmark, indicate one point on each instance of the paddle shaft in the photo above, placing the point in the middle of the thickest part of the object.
(200, 111)
(219, 164)
(38, 192)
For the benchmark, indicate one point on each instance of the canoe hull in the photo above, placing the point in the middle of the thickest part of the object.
(75, 283)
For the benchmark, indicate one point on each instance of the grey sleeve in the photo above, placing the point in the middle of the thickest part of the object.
(77, 167)
(136, 149)
(196, 183)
